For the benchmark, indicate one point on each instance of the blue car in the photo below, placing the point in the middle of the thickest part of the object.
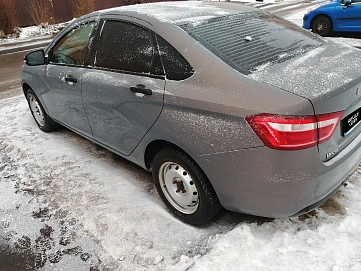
(338, 15)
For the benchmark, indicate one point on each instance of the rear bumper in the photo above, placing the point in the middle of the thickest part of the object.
(320, 202)
(273, 183)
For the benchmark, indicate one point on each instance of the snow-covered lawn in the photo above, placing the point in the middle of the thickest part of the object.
(115, 203)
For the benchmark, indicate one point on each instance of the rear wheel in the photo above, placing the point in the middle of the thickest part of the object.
(41, 118)
(322, 26)
(183, 187)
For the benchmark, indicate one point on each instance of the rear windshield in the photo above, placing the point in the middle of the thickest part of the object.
(248, 41)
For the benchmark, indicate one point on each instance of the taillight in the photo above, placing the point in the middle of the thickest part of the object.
(294, 132)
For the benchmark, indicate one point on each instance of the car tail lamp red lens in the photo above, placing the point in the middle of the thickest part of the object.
(294, 132)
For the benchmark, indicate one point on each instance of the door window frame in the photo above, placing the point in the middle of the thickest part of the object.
(136, 22)
(90, 46)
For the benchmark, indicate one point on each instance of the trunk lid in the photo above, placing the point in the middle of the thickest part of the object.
(330, 77)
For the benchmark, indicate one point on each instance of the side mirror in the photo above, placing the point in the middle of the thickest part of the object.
(35, 58)
(347, 3)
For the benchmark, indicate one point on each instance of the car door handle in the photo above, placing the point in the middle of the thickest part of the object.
(141, 89)
(70, 78)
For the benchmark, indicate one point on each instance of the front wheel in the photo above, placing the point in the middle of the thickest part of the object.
(322, 26)
(42, 119)
(183, 187)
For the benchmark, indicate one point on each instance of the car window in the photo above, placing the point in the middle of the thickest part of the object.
(175, 65)
(125, 47)
(72, 48)
(352, 1)
(246, 41)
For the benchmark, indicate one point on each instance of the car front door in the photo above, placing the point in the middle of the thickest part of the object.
(123, 93)
(61, 84)
(348, 18)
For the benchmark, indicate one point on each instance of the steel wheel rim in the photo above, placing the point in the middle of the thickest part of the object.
(320, 26)
(178, 187)
(36, 110)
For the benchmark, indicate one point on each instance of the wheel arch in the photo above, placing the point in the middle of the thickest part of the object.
(322, 15)
(25, 87)
(156, 145)
(169, 156)
(153, 148)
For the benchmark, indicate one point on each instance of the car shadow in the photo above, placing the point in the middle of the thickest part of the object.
(346, 35)
(231, 219)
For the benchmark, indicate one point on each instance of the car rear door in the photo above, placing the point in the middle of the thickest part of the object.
(123, 93)
(348, 18)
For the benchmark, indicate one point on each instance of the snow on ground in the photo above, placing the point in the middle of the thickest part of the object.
(115, 204)
(322, 241)
(112, 200)
(296, 18)
(34, 32)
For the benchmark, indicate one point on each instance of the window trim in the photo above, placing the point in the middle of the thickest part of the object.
(156, 52)
(162, 61)
(127, 72)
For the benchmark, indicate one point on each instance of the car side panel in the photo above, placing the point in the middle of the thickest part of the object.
(348, 18)
(273, 183)
(327, 10)
(343, 19)
(200, 123)
(120, 118)
(29, 76)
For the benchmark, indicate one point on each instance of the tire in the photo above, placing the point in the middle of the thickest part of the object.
(41, 118)
(183, 187)
(322, 26)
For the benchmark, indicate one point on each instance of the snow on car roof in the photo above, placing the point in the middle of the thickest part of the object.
(182, 12)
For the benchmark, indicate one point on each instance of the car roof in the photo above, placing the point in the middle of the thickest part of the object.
(180, 12)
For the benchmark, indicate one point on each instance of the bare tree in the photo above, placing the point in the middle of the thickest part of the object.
(7, 17)
(81, 7)
(41, 11)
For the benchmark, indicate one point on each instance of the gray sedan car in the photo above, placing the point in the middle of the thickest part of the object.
(224, 104)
